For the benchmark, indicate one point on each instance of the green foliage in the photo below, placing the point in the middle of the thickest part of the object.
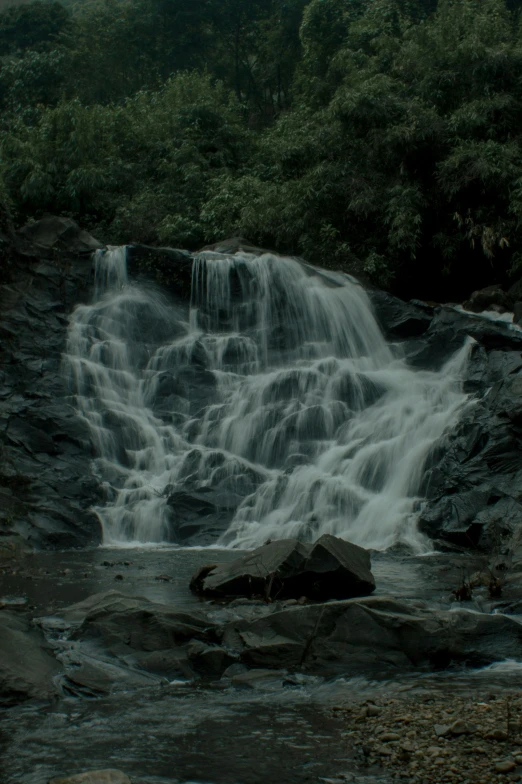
(30, 83)
(382, 137)
(33, 26)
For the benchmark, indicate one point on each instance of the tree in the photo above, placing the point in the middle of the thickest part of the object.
(36, 25)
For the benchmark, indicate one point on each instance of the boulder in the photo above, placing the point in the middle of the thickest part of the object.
(371, 634)
(329, 569)
(491, 298)
(360, 635)
(120, 620)
(55, 233)
(26, 668)
(209, 660)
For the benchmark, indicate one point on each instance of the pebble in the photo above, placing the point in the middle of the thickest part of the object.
(470, 749)
(389, 737)
(498, 735)
(505, 767)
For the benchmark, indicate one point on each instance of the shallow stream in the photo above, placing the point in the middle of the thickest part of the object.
(281, 730)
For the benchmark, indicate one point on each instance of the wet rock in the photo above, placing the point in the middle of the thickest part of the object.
(450, 329)
(506, 766)
(254, 679)
(209, 660)
(136, 622)
(492, 298)
(194, 514)
(13, 603)
(26, 668)
(371, 634)
(330, 568)
(108, 776)
(235, 669)
(47, 488)
(46, 483)
(12, 547)
(233, 245)
(196, 583)
(400, 319)
(90, 676)
(169, 268)
(458, 727)
(135, 637)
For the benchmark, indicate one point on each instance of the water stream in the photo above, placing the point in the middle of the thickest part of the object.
(274, 396)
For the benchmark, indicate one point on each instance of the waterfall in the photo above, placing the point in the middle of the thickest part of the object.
(272, 407)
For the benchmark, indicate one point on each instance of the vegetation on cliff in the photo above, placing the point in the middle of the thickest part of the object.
(382, 137)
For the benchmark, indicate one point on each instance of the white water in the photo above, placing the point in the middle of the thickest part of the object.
(314, 424)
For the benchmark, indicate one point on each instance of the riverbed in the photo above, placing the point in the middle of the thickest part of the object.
(282, 727)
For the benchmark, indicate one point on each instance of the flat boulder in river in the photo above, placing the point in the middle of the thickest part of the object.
(329, 569)
(94, 777)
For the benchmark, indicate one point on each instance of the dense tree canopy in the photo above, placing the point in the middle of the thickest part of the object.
(379, 136)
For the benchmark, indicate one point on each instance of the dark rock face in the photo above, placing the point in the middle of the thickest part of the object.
(46, 487)
(171, 269)
(398, 319)
(329, 569)
(473, 482)
(195, 512)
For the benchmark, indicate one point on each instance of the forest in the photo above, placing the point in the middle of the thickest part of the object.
(380, 137)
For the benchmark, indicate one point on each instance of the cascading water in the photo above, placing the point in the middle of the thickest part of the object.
(274, 408)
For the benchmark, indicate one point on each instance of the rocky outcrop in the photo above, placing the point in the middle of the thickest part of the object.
(370, 634)
(398, 319)
(46, 486)
(472, 483)
(329, 569)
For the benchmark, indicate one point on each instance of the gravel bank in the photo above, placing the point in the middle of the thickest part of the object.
(437, 738)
